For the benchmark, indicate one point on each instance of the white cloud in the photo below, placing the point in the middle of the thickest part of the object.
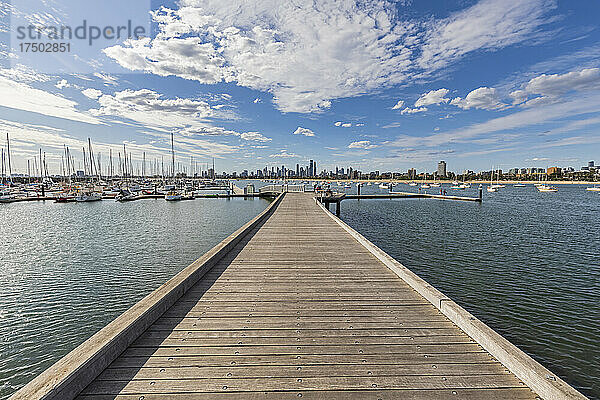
(21, 96)
(284, 154)
(362, 144)
(408, 110)
(254, 136)
(549, 88)
(482, 98)
(62, 84)
(432, 97)
(256, 101)
(304, 131)
(392, 125)
(150, 109)
(523, 119)
(398, 105)
(361, 46)
(343, 124)
(92, 93)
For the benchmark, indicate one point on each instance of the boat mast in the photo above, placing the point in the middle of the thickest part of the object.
(172, 155)
(110, 163)
(3, 177)
(8, 151)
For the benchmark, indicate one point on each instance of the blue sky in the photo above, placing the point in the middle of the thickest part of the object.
(370, 84)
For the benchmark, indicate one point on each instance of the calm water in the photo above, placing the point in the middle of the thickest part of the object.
(526, 263)
(66, 270)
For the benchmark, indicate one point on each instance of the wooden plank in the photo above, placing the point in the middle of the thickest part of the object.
(424, 382)
(430, 394)
(391, 360)
(132, 373)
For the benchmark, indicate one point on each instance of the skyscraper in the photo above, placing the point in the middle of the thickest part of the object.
(441, 170)
(311, 168)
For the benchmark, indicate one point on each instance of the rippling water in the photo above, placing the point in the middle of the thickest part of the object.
(526, 263)
(66, 270)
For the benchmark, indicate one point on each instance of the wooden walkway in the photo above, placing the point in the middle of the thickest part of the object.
(300, 309)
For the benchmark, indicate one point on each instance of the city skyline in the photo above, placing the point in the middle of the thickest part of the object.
(374, 85)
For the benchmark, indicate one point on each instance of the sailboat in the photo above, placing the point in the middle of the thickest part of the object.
(492, 188)
(544, 187)
(594, 188)
(424, 185)
(88, 196)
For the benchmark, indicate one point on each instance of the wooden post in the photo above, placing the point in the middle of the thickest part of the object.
(358, 188)
(337, 208)
(480, 193)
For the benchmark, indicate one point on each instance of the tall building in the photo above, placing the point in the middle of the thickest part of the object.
(297, 169)
(441, 170)
(412, 173)
(311, 168)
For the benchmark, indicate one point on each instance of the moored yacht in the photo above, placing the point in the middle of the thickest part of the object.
(89, 196)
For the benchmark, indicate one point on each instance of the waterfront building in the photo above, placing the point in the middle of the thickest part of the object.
(441, 169)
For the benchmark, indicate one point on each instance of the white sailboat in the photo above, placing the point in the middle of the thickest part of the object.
(88, 196)
(492, 188)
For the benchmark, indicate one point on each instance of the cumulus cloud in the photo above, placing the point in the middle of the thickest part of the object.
(398, 105)
(62, 84)
(432, 97)
(149, 108)
(343, 124)
(303, 131)
(92, 93)
(409, 110)
(254, 136)
(361, 46)
(362, 144)
(481, 98)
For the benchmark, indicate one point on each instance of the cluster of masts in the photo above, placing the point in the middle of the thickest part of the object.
(125, 167)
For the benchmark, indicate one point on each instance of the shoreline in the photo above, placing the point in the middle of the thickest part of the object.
(405, 181)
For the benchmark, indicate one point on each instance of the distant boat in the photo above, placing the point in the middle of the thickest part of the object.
(7, 198)
(519, 185)
(413, 184)
(435, 184)
(594, 188)
(173, 196)
(547, 188)
(492, 189)
(425, 186)
(384, 186)
(125, 195)
(86, 197)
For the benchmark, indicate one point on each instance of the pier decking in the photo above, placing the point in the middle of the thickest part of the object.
(296, 305)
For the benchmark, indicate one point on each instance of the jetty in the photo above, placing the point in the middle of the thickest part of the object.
(296, 304)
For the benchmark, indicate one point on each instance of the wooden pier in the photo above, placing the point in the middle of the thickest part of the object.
(296, 304)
